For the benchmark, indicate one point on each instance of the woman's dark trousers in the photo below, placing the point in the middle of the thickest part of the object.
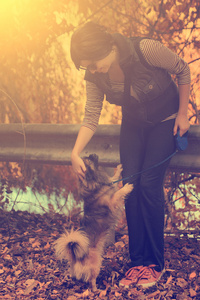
(141, 148)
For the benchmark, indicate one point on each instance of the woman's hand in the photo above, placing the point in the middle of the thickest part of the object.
(181, 123)
(84, 136)
(78, 165)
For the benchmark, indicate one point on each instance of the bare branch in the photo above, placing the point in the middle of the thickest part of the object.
(192, 61)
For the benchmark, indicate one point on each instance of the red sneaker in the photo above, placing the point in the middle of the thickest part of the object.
(131, 276)
(149, 276)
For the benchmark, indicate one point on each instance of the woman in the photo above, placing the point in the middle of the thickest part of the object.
(135, 74)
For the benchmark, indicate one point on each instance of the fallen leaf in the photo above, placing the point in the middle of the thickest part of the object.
(47, 246)
(135, 292)
(8, 257)
(170, 294)
(169, 280)
(39, 230)
(181, 282)
(36, 244)
(7, 296)
(29, 281)
(31, 240)
(124, 237)
(153, 295)
(192, 293)
(196, 257)
(117, 294)
(31, 284)
(119, 244)
(54, 234)
(192, 275)
(8, 279)
(114, 275)
(187, 251)
(5, 250)
(103, 293)
(17, 272)
(86, 293)
(197, 287)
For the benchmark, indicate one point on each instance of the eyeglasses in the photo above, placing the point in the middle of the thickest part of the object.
(90, 67)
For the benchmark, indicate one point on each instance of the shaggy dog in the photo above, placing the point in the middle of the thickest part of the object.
(103, 202)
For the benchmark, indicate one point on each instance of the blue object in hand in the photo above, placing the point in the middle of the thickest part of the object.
(181, 141)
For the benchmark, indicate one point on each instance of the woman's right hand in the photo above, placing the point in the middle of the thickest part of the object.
(78, 165)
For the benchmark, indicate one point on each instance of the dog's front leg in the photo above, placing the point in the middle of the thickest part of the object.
(117, 173)
(93, 284)
(121, 194)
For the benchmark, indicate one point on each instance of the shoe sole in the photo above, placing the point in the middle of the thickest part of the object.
(147, 285)
(124, 286)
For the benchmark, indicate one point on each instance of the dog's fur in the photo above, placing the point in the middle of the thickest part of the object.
(103, 202)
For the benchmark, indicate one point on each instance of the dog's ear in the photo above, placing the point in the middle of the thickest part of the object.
(95, 159)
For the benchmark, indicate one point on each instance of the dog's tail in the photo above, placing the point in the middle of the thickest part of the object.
(72, 245)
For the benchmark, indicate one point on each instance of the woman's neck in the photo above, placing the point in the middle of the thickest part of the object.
(115, 72)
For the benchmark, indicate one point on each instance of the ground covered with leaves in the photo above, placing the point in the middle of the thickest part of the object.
(29, 269)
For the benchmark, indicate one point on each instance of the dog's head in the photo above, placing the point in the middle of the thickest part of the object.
(94, 176)
(91, 163)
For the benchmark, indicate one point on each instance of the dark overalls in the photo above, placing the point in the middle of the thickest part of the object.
(144, 141)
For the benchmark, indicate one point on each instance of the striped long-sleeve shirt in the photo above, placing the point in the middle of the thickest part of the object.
(157, 55)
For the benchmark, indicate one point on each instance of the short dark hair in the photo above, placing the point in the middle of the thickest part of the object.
(90, 42)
